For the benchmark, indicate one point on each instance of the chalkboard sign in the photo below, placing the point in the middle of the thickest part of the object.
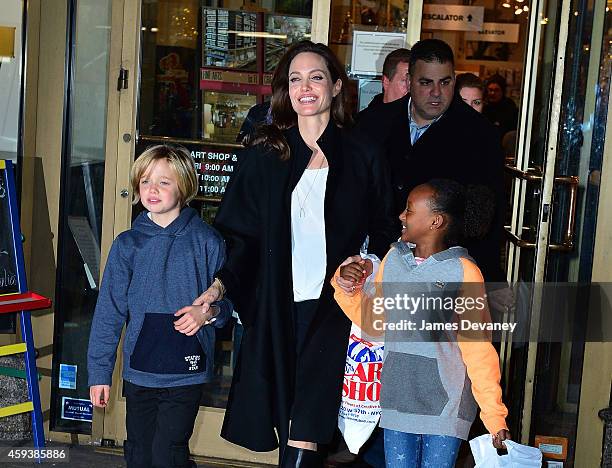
(9, 271)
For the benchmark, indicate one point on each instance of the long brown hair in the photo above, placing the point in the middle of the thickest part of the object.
(283, 115)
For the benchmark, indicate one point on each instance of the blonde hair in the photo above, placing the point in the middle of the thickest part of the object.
(179, 159)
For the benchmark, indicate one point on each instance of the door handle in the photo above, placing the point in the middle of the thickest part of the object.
(532, 175)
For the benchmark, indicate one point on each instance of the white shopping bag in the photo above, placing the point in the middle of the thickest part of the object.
(360, 407)
(519, 456)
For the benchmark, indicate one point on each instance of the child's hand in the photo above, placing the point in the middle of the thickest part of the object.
(357, 271)
(498, 439)
(194, 317)
(353, 273)
(99, 395)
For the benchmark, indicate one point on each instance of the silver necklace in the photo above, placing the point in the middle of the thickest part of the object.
(302, 203)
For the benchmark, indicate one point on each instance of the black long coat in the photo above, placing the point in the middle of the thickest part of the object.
(269, 387)
(462, 146)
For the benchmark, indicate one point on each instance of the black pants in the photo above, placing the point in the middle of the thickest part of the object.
(159, 424)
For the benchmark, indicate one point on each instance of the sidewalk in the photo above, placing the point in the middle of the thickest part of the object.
(88, 456)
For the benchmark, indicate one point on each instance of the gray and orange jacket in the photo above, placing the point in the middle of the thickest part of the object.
(432, 381)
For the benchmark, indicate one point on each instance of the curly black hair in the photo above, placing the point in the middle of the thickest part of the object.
(470, 209)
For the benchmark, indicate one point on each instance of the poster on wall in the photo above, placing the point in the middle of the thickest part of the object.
(371, 48)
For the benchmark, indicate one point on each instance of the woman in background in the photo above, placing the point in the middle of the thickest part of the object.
(471, 89)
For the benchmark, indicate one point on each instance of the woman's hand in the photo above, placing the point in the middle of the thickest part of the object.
(195, 317)
(498, 439)
(212, 294)
(99, 395)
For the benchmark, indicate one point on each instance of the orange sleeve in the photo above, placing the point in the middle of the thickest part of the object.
(479, 355)
(359, 308)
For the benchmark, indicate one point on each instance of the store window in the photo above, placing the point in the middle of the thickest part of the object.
(488, 39)
(361, 34)
(204, 64)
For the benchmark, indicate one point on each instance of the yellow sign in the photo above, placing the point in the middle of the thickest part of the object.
(230, 76)
(7, 41)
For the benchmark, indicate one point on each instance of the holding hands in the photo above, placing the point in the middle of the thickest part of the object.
(353, 273)
(201, 312)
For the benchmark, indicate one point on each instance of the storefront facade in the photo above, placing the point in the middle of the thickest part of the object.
(104, 79)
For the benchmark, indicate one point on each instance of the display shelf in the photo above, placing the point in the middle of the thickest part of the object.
(26, 301)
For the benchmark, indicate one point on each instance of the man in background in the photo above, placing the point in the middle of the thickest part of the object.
(384, 107)
(434, 134)
(500, 109)
(394, 77)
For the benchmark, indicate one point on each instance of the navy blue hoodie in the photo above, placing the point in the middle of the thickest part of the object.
(151, 273)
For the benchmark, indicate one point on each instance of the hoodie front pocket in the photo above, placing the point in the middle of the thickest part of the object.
(160, 349)
(411, 384)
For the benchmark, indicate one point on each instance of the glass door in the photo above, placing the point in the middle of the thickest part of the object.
(555, 193)
(83, 192)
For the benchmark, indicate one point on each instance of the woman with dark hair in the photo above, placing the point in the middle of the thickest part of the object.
(471, 89)
(306, 195)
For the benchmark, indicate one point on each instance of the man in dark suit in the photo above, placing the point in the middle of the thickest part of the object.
(431, 133)
(394, 78)
(498, 108)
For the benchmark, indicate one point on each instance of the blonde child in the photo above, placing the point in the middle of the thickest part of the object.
(154, 272)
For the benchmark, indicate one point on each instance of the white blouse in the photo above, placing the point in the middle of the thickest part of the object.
(308, 248)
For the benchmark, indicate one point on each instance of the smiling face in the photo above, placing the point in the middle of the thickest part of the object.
(396, 87)
(417, 219)
(472, 97)
(159, 192)
(311, 88)
(431, 88)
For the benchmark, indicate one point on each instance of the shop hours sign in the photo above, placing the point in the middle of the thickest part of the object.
(214, 168)
(214, 162)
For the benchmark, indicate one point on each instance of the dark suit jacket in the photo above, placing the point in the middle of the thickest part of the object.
(462, 145)
(270, 385)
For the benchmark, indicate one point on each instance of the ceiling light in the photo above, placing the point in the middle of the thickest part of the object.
(264, 34)
(525, 8)
(506, 5)
(518, 11)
